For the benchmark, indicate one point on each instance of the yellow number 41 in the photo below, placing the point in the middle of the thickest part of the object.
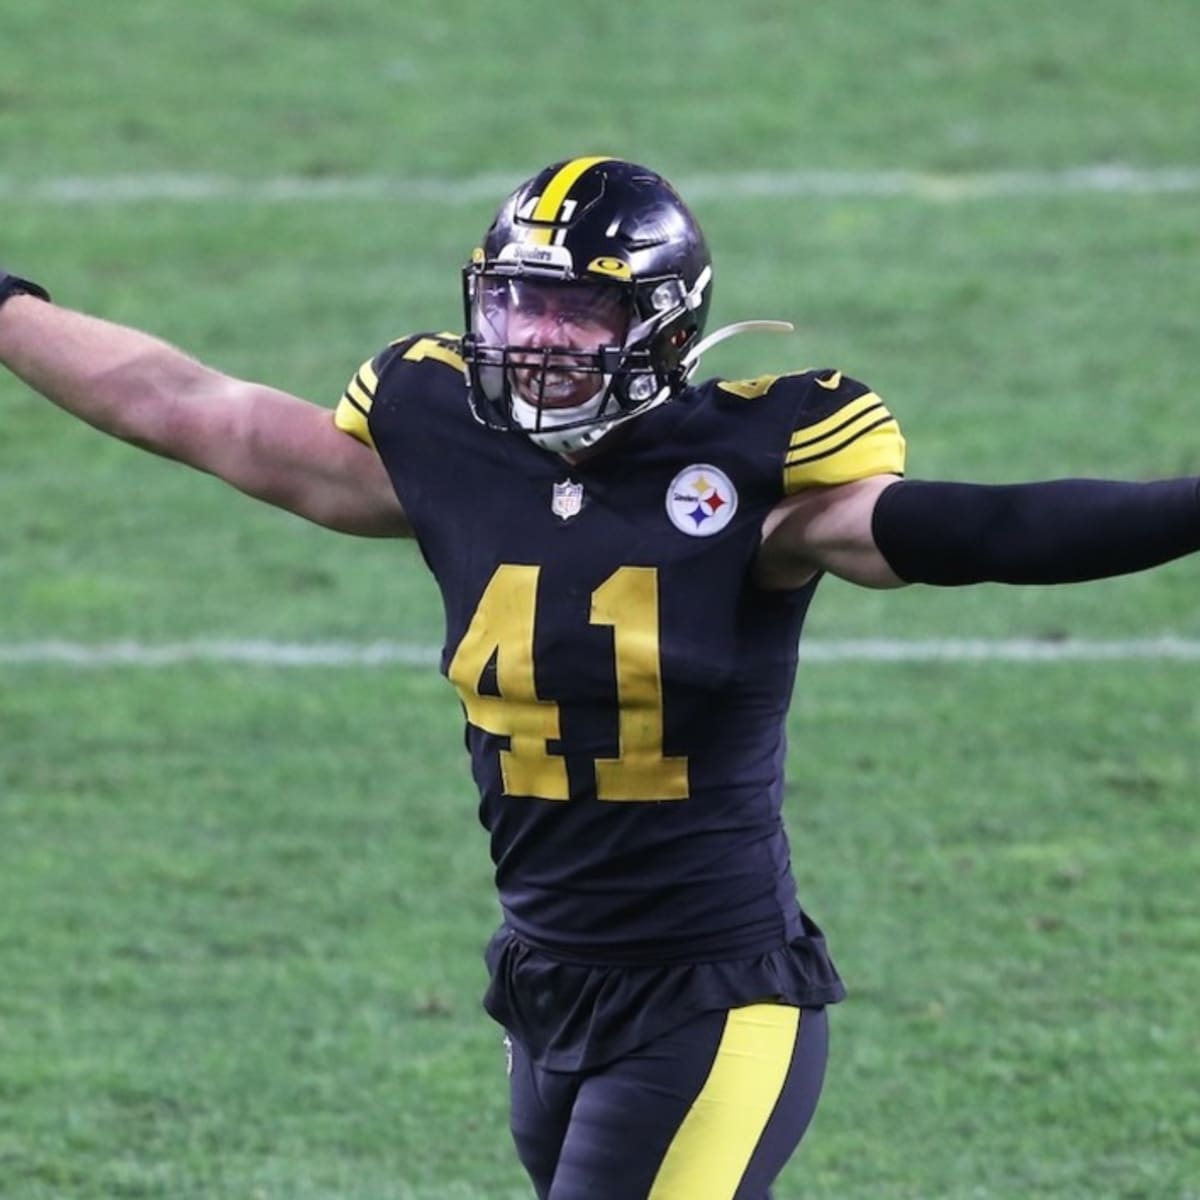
(502, 629)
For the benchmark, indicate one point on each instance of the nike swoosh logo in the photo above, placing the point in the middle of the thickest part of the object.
(833, 382)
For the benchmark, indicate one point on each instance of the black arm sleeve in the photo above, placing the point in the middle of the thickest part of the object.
(1060, 531)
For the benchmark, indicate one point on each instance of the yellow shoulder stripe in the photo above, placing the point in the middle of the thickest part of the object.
(856, 447)
(355, 405)
(811, 437)
(349, 418)
(361, 389)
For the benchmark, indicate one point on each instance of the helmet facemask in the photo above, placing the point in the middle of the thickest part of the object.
(565, 360)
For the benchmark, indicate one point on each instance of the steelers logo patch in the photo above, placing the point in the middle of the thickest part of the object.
(701, 500)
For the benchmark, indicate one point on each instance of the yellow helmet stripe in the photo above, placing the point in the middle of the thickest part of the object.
(550, 204)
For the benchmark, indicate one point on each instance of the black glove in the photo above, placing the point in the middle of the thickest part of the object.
(14, 285)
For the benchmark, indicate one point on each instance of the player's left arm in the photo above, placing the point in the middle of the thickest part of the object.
(847, 510)
(844, 449)
(884, 531)
(825, 529)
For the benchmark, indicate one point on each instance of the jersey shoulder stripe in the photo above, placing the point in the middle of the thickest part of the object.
(353, 412)
(842, 432)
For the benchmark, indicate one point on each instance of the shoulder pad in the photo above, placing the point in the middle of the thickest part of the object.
(760, 385)
(353, 412)
(444, 348)
(841, 431)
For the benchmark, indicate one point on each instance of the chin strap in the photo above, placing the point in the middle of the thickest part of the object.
(692, 357)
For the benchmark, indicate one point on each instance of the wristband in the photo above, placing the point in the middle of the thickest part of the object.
(14, 285)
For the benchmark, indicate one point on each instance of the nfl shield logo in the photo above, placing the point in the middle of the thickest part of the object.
(568, 499)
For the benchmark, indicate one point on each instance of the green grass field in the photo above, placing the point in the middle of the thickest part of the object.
(242, 907)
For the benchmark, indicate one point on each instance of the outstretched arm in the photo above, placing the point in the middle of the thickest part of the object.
(884, 532)
(826, 529)
(268, 444)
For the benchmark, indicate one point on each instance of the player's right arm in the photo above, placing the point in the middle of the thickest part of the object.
(269, 444)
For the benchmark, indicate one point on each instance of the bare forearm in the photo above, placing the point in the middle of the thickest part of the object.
(269, 444)
(122, 381)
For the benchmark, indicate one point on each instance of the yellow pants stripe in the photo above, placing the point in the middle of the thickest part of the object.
(710, 1153)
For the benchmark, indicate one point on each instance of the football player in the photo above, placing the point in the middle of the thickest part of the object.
(626, 558)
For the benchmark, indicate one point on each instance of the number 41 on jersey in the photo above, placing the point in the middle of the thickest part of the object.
(502, 629)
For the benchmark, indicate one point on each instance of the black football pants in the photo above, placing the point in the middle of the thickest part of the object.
(710, 1111)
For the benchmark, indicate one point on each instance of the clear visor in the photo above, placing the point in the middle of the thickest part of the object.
(555, 340)
(516, 312)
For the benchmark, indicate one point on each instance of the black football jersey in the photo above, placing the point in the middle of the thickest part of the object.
(623, 679)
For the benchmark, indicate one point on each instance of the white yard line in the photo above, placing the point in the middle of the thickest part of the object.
(186, 188)
(267, 653)
(253, 652)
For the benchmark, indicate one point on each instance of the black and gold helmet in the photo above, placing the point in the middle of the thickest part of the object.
(619, 237)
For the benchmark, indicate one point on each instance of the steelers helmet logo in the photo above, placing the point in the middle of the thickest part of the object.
(701, 500)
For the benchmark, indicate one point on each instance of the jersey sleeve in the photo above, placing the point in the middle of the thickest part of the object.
(354, 410)
(842, 432)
